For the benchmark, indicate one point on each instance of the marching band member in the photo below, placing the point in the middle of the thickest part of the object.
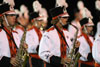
(42, 13)
(83, 10)
(97, 5)
(23, 18)
(9, 41)
(86, 43)
(96, 46)
(56, 42)
(95, 49)
(75, 22)
(33, 38)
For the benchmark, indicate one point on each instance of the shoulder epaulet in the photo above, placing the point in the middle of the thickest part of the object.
(33, 27)
(19, 27)
(52, 28)
(15, 31)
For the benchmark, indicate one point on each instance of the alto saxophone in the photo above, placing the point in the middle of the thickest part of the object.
(22, 53)
(74, 56)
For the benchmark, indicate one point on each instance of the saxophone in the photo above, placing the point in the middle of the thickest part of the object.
(74, 56)
(22, 54)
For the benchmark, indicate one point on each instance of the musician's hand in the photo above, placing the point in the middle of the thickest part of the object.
(25, 46)
(65, 60)
(14, 61)
(77, 44)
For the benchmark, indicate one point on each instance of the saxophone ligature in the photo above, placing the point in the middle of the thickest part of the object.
(22, 53)
(73, 55)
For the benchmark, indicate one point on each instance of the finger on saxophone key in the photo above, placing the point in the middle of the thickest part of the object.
(65, 60)
(25, 46)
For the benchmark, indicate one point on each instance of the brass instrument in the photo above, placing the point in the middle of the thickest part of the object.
(22, 54)
(74, 56)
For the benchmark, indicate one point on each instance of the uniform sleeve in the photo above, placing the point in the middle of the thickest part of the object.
(96, 50)
(45, 51)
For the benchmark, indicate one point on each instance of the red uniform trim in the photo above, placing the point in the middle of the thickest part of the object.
(88, 41)
(20, 27)
(30, 63)
(63, 46)
(13, 49)
(50, 29)
(39, 36)
(0, 30)
(15, 31)
(65, 29)
(37, 31)
(44, 64)
(0, 15)
(90, 63)
(97, 65)
(35, 56)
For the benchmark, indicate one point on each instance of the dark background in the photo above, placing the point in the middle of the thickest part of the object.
(48, 4)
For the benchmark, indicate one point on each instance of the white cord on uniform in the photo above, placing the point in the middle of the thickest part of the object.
(6, 20)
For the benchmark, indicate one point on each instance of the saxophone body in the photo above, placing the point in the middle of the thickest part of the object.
(22, 53)
(72, 54)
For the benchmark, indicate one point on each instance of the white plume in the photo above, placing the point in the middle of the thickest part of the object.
(86, 13)
(44, 14)
(83, 10)
(80, 5)
(10, 2)
(24, 10)
(61, 3)
(97, 5)
(18, 12)
(36, 6)
(42, 11)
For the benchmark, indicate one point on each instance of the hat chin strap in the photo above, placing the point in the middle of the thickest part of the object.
(6, 20)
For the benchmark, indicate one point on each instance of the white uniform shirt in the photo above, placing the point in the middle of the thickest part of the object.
(50, 44)
(96, 50)
(20, 32)
(4, 44)
(84, 48)
(32, 40)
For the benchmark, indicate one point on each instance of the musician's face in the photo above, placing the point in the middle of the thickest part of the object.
(78, 16)
(64, 20)
(39, 23)
(89, 29)
(11, 19)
